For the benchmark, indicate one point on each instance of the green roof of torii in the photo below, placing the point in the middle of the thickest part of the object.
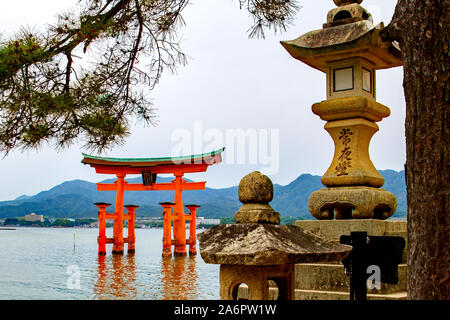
(97, 160)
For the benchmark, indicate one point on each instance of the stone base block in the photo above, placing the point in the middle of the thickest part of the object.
(352, 203)
(333, 229)
(257, 213)
(327, 281)
(331, 277)
(301, 294)
(335, 295)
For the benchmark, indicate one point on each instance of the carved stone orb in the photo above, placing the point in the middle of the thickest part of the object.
(255, 188)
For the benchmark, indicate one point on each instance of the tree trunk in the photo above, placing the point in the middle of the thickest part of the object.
(422, 29)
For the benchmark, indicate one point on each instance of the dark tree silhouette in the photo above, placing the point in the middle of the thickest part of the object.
(422, 29)
(91, 72)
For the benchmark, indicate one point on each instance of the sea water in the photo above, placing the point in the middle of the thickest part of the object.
(63, 264)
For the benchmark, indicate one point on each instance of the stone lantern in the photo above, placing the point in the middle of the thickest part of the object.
(257, 249)
(349, 50)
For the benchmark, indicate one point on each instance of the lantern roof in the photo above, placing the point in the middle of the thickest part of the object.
(267, 244)
(348, 33)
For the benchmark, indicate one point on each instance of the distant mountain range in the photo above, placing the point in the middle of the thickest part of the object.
(75, 199)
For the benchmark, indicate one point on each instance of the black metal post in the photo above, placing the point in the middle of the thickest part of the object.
(382, 251)
(358, 278)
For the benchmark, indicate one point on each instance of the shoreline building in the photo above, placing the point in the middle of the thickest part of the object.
(33, 217)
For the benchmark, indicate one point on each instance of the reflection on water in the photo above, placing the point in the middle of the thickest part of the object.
(179, 278)
(116, 277)
(34, 264)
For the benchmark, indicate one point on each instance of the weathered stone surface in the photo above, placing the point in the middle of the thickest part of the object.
(301, 294)
(352, 203)
(255, 192)
(315, 47)
(257, 213)
(333, 229)
(325, 38)
(266, 244)
(332, 277)
(351, 164)
(351, 107)
(255, 188)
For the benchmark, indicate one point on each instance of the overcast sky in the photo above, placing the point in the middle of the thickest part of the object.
(230, 83)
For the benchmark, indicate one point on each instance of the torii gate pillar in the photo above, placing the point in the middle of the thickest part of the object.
(118, 222)
(179, 226)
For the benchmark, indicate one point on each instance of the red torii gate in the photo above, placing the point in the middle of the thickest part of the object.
(149, 168)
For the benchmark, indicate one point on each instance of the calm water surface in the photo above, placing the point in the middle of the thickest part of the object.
(42, 263)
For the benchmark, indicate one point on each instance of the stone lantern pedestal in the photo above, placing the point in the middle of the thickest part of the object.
(257, 249)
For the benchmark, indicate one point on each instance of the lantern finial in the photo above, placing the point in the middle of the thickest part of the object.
(346, 2)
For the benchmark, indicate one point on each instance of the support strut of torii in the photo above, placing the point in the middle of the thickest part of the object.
(149, 168)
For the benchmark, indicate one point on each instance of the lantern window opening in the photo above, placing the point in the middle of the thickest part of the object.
(365, 15)
(235, 291)
(343, 79)
(367, 80)
(341, 15)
